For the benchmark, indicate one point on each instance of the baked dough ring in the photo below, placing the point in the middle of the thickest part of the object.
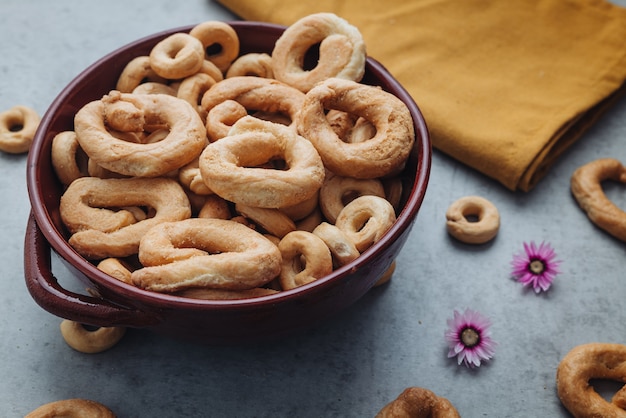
(81, 339)
(461, 225)
(417, 402)
(337, 189)
(99, 232)
(17, 129)
(72, 408)
(137, 71)
(318, 259)
(341, 247)
(365, 220)
(65, 155)
(229, 166)
(185, 141)
(587, 190)
(256, 93)
(178, 56)
(251, 64)
(215, 32)
(342, 51)
(202, 252)
(383, 154)
(586, 362)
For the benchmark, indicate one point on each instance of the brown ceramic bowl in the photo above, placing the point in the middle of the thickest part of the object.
(113, 303)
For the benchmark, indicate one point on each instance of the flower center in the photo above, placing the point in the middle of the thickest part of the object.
(536, 266)
(470, 337)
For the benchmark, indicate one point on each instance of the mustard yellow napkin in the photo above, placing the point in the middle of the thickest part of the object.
(504, 85)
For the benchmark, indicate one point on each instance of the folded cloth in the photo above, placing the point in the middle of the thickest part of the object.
(505, 86)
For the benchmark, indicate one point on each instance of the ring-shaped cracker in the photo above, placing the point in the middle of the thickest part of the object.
(317, 262)
(251, 64)
(185, 141)
(342, 51)
(229, 166)
(137, 71)
(337, 190)
(214, 32)
(586, 186)
(205, 253)
(256, 93)
(473, 220)
(17, 129)
(87, 341)
(65, 155)
(587, 362)
(417, 402)
(178, 56)
(365, 220)
(383, 154)
(72, 408)
(89, 206)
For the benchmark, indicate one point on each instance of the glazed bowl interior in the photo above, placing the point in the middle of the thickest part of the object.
(45, 190)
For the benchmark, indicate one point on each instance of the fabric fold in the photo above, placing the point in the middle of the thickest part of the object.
(505, 87)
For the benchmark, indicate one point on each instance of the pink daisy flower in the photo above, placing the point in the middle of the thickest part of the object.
(536, 267)
(469, 338)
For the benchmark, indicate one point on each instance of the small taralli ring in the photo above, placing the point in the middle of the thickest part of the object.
(178, 56)
(318, 260)
(17, 129)
(473, 220)
(86, 341)
(72, 408)
(586, 362)
(214, 32)
(417, 402)
(587, 190)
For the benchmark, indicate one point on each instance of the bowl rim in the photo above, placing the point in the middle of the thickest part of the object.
(59, 244)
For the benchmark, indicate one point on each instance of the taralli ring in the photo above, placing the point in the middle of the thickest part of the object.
(178, 56)
(133, 112)
(229, 166)
(318, 259)
(417, 402)
(72, 408)
(341, 51)
(205, 253)
(365, 220)
(86, 341)
(584, 363)
(473, 220)
(587, 190)
(89, 209)
(383, 154)
(137, 71)
(251, 64)
(17, 129)
(219, 34)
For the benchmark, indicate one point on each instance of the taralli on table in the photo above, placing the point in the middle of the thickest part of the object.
(89, 206)
(415, 402)
(72, 408)
(229, 166)
(584, 363)
(184, 142)
(220, 35)
(17, 129)
(178, 56)
(86, 341)
(382, 155)
(473, 220)
(317, 259)
(202, 252)
(342, 52)
(586, 186)
(365, 220)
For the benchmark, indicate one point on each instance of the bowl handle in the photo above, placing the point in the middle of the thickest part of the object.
(48, 293)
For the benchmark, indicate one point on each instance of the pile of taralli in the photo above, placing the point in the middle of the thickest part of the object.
(227, 176)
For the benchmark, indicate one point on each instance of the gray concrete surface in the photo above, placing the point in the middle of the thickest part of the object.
(354, 364)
